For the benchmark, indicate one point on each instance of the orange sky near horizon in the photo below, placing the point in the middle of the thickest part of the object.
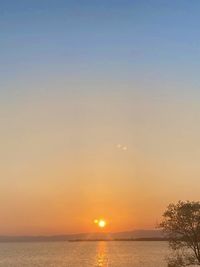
(63, 166)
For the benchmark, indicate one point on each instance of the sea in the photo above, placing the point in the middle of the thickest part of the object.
(84, 254)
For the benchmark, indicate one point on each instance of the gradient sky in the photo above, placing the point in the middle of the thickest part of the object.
(80, 80)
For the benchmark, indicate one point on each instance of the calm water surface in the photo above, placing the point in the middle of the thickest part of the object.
(84, 254)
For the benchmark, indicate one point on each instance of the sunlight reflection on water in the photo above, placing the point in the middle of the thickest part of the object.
(101, 255)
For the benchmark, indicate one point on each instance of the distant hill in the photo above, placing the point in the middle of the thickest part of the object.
(139, 234)
(135, 234)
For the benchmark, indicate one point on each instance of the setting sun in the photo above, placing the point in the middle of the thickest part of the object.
(101, 223)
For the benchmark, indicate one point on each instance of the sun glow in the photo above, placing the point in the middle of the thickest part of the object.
(101, 223)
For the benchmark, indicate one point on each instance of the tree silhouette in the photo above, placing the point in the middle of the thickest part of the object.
(181, 223)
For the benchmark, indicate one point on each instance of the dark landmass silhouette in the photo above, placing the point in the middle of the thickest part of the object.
(135, 235)
(120, 239)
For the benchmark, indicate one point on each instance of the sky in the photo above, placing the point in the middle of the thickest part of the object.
(99, 113)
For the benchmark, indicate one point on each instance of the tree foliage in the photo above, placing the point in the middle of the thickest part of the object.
(181, 223)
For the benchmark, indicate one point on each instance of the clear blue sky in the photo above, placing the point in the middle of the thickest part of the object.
(125, 39)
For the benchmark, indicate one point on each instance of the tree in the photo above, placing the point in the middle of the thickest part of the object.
(181, 223)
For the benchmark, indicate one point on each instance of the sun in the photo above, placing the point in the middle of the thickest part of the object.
(101, 223)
